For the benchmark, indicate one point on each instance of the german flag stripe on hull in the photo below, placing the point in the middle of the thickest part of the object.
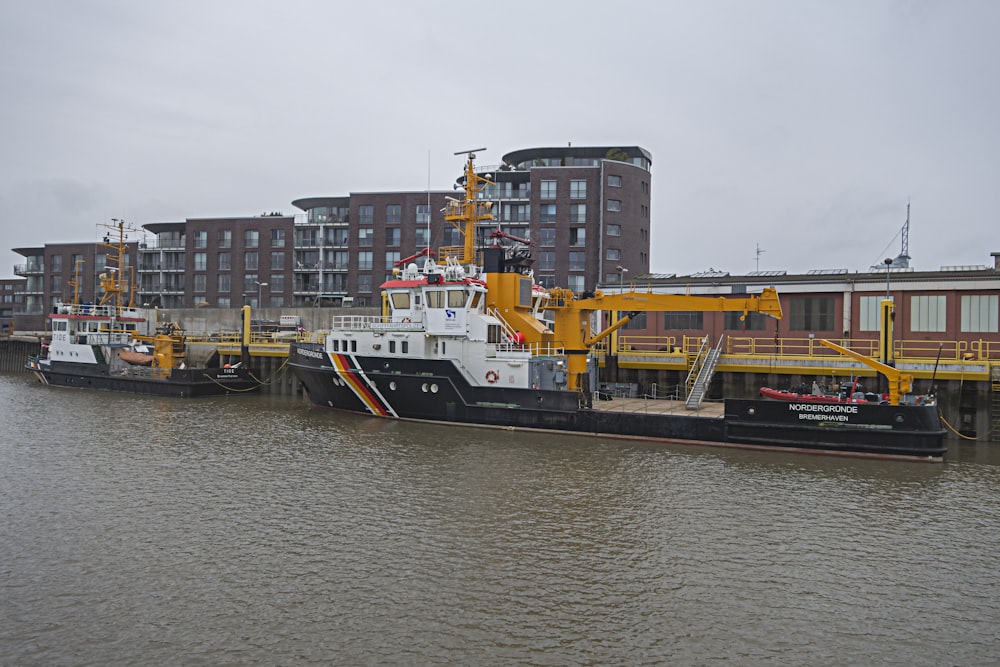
(350, 372)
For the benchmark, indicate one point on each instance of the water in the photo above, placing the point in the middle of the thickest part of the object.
(257, 530)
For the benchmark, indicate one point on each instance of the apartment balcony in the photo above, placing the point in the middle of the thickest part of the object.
(28, 269)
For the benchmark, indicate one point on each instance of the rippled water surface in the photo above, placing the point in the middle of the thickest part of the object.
(257, 530)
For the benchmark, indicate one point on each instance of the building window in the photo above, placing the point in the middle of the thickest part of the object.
(224, 302)
(365, 283)
(225, 238)
(578, 189)
(870, 315)
(277, 238)
(547, 213)
(548, 190)
(422, 240)
(423, 214)
(927, 312)
(199, 282)
(614, 181)
(614, 205)
(811, 314)
(683, 320)
(225, 261)
(614, 230)
(224, 282)
(452, 236)
(614, 254)
(578, 213)
(250, 260)
(576, 283)
(276, 283)
(517, 213)
(365, 260)
(365, 237)
(637, 321)
(251, 238)
(392, 236)
(277, 261)
(341, 259)
(393, 214)
(250, 283)
(546, 238)
(577, 261)
(391, 258)
(753, 321)
(200, 261)
(546, 260)
(979, 313)
(366, 215)
(200, 239)
(577, 236)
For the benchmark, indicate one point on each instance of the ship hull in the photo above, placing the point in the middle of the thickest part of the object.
(181, 383)
(435, 390)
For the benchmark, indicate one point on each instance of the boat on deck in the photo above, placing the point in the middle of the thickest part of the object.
(470, 338)
(791, 395)
(115, 346)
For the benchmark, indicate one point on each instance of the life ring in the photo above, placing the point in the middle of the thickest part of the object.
(405, 320)
(492, 376)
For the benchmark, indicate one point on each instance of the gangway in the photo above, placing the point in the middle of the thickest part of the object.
(699, 387)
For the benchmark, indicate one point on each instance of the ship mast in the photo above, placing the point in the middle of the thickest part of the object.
(119, 289)
(464, 215)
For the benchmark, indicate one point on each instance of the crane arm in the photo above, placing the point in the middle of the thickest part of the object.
(766, 302)
(899, 383)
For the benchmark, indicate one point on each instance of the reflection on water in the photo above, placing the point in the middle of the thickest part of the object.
(258, 530)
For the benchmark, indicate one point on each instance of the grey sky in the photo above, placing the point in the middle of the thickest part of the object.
(799, 125)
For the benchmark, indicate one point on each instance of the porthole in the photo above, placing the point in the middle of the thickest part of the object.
(423, 387)
(751, 410)
(392, 385)
(434, 389)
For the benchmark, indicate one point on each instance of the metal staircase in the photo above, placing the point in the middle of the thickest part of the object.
(703, 378)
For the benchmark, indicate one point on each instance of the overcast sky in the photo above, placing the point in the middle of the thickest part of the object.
(802, 126)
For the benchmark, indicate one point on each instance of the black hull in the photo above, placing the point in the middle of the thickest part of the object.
(181, 383)
(434, 390)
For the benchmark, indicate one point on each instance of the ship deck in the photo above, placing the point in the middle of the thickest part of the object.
(659, 406)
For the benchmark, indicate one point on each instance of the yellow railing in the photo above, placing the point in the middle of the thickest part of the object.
(975, 350)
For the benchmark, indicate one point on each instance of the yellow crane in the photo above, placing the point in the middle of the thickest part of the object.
(900, 383)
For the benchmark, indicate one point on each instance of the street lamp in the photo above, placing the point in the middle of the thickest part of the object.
(260, 286)
(621, 275)
(888, 263)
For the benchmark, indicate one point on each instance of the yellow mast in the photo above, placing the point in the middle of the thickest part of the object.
(463, 215)
(117, 286)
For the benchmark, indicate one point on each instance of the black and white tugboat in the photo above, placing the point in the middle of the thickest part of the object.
(114, 346)
(470, 338)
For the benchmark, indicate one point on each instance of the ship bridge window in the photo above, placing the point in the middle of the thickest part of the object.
(400, 300)
(456, 298)
(476, 298)
(435, 299)
(494, 334)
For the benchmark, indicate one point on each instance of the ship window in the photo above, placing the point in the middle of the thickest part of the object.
(405, 347)
(435, 299)
(493, 334)
(456, 298)
(354, 346)
(392, 347)
(400, 300)
(476, 298)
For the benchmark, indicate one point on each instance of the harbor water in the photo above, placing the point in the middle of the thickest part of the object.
(256, 530)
